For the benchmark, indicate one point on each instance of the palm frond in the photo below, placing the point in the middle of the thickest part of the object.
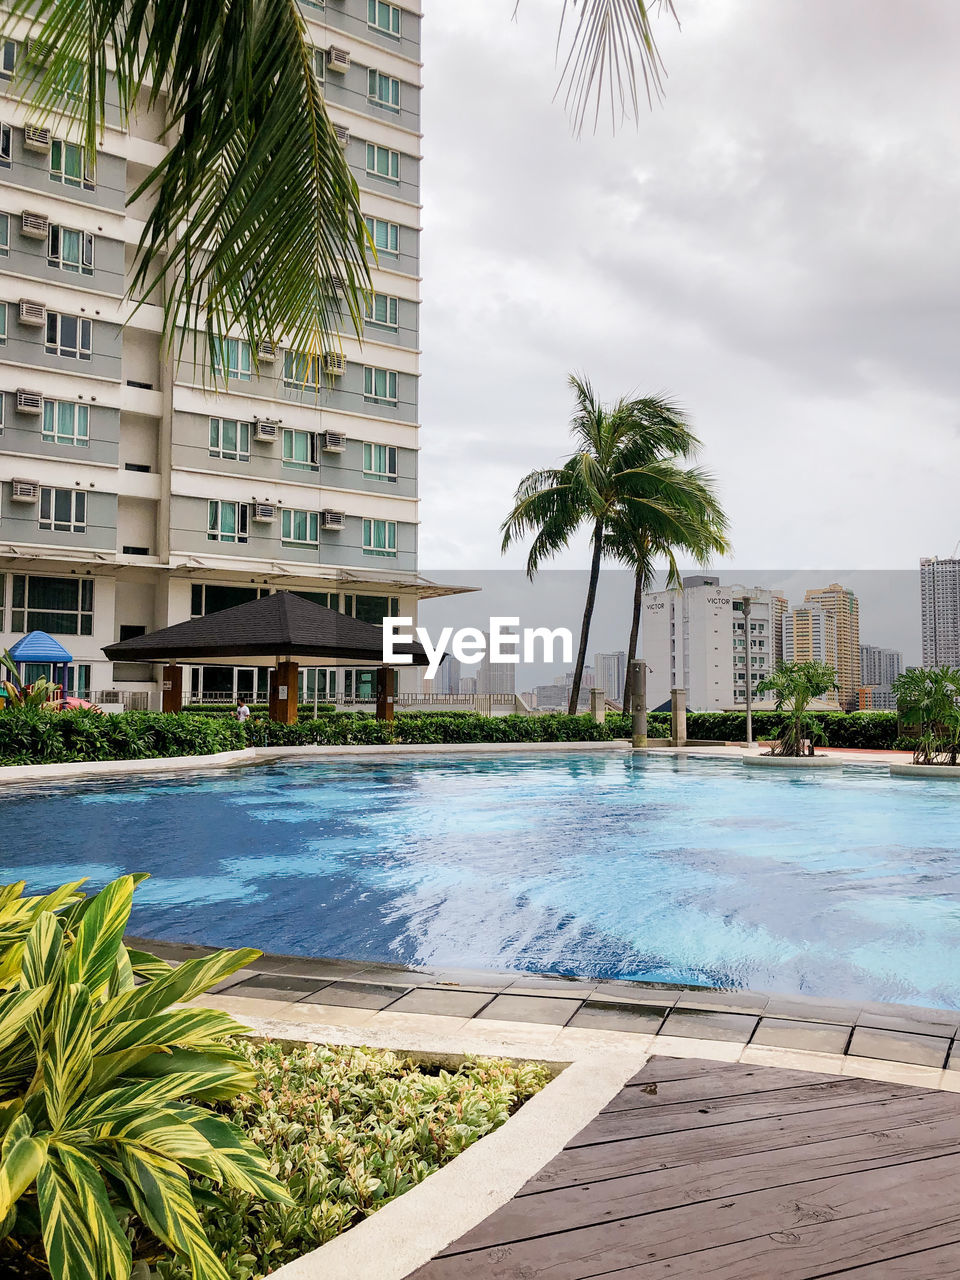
(255, 212)
(612, 53)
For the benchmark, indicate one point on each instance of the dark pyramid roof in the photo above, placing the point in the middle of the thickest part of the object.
(279, 625)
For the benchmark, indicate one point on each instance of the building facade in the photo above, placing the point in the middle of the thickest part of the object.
(843, 604)
(879, 666)
(699, 639)
(610, 673)
(136, 492)
(940, 612)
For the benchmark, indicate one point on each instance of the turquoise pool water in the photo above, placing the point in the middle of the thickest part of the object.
(602, 865)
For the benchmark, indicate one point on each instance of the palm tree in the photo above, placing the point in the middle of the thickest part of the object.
(929, 700)
(795, 685)
(256, 216)
(622, 463)
(691, 521)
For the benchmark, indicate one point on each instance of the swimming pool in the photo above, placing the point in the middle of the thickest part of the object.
(664, 869)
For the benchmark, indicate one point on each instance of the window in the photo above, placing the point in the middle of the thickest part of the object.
(3, 323)
(68, 164)
(301, 527)
(70, 250)
(6, 145)
(383, 310)
(68, 336)
(63, 510)
(383, 91)
(380, 385)
(3, 401)
(231, 358)
(320, 64)
(375, 608)
(227, 522)
(4, 235)
(8, 59)
(211, 597)
(379, 537)
(380, 461)
(300, 370)
(385, 236)
(230, 439)
(65, 423)
(383, 162)
(300, 450)
(383, 17)
(60, 606)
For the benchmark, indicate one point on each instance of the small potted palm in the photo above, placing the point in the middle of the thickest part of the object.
(929, 703)
(795, 685)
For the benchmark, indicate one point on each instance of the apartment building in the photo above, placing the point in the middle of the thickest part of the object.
(940, 612)
(136, 492)
(879, 666)
(810, 635)
(699, 639)
(610, 673)
(845, 608)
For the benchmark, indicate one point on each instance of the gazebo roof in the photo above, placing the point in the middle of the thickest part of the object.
(37, 646)
(282, 625)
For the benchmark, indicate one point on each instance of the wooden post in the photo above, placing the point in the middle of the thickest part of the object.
(678, 717)
(172, 686)
(284, 693)
(638, 702)
(386, 677)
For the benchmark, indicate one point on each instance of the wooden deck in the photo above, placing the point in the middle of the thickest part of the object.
(726, 1172)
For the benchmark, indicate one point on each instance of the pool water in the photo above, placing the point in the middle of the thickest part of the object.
(608, 865)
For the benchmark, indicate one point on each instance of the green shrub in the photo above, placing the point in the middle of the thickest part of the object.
(348, 1130)
(32, 736)
(98, 1141)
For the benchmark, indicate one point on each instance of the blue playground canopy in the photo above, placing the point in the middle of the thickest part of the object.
(39, 647)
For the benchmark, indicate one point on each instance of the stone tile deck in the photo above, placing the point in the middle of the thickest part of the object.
(704, 1169)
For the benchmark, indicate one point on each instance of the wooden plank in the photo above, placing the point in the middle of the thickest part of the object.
(719, 1084)
(674, 1117)
(573, 1167)
(712, 1179)
(927, 1264)
(792, 1233)
(658, 1070)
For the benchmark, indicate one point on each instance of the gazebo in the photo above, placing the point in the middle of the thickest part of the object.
(282, 631)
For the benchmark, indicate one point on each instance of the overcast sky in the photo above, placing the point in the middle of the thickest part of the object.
(775, 246)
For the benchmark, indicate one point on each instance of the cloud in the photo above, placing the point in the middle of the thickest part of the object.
(776, 246)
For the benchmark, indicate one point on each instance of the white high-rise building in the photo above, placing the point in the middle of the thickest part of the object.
(879, 666)
(610, 672)
(698, 639)
(940, 612)
(138, 492)
(494, 677)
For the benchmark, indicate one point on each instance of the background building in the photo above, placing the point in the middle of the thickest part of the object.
(879, 666)
(495, 677)
(940, 612)
(610, 673)
(698, 639)
(137, 493)
(843, 604)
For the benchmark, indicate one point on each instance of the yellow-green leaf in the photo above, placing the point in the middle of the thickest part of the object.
(19, 1168)
(67, 1236)
(92, 957)
(69, 1059)
(110, 1243)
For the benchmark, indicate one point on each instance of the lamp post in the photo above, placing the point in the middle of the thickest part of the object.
(746, 602)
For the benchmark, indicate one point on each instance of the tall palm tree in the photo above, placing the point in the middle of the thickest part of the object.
(256, 216)
(620, 464)
(692, 522)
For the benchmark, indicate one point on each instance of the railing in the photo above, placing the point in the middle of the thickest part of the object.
(132, 701)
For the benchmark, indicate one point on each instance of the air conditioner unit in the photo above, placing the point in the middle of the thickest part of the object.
(29, 401)
(266, 430)
(342, 134)
(266, 352)
(36, 137)
(25, 490)
(264, 512)
(33, 313)
(34, 225)
(338, 59)
(333, 519)
(38, 51)
(334, 441)
(335, 362)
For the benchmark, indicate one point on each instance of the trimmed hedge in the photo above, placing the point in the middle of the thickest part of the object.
(31, 736)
